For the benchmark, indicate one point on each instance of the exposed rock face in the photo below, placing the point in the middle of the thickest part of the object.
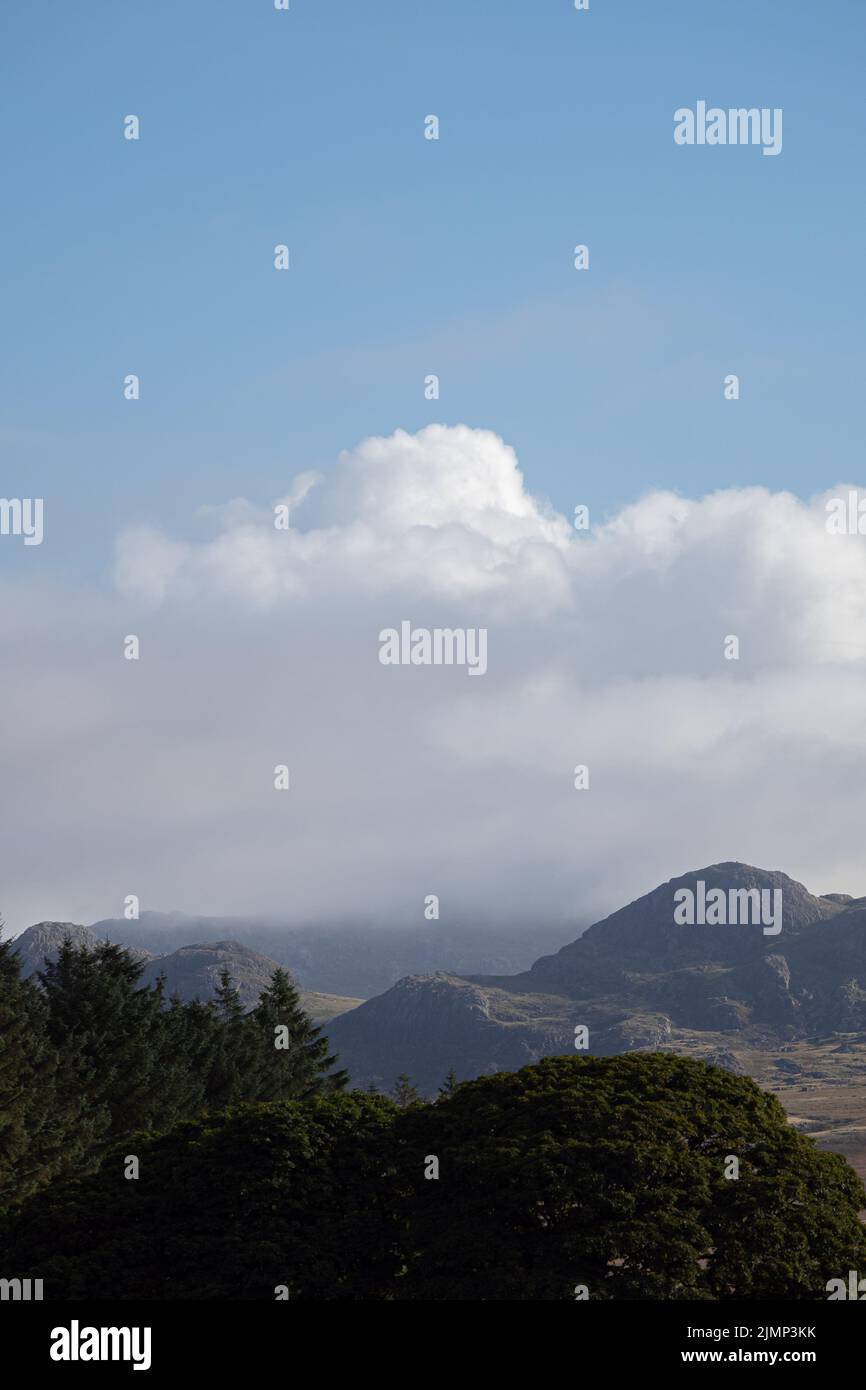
(192, 972)
(635, 980)
(645, 936)
(772, 989)
(427, 1024)
(785, 1064)
(726, 1060)
(850, 1006)
(632, 1034)
(43, 941)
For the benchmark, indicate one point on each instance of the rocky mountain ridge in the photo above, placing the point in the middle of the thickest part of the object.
(637, 979)
(191, 972)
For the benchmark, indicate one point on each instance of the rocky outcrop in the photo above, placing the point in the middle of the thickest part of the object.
(645, 936)
(43, 941)
(427, 1025)
(192, 972)
(726, 1060)
(635, 980)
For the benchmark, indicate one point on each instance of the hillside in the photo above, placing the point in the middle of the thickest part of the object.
(635, 980)
(191, 972)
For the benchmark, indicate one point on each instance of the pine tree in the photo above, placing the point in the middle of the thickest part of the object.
(404, 1092)
(227, 999)
(113, 1038)
(450, 1084)
(192, 1032)
(294, 1058)
(233, 1064)
(42, 1131)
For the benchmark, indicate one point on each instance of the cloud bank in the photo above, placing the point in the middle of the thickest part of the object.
(259, 646)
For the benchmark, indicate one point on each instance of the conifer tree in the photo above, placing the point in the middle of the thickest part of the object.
(404, 1092)
(232, 1070)
(112, 1035)
(42, 1131)
(450, 1084)
(294, 1058)
(227, 999)
(192, 1032)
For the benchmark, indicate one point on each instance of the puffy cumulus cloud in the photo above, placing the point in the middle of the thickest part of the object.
(260, 646)
(445, 511)
(441, 477)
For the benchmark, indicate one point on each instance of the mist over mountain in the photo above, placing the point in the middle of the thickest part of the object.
(474, 1000)
(359, 960)
(637, 979)
(190, 972)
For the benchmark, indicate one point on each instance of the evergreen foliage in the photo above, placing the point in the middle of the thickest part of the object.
(606, 1175)
(88, 1055)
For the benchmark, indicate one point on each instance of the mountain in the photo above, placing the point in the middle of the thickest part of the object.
(45, 938)
(192, 972)
(638, 979)
(427, 1024)
(645, 937)
(359, 960)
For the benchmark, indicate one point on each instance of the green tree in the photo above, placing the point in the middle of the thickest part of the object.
(232, 1071)
(450, 1084)
(403, 1091)
(231, 1206)
(113, 1037)
(611, 1173)
(294, 1060)
(192, 1033)
(42, 1128)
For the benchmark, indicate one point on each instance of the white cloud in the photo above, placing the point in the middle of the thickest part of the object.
(260, 647)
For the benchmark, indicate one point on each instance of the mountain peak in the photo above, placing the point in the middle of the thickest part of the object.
(647, 936)
(42, 942)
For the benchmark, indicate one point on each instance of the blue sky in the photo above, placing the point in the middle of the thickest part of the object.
(411, 256)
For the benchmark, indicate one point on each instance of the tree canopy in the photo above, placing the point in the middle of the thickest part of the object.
(644, 1176)
(89, 1055)
(261, 1197)
(611, 1175)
